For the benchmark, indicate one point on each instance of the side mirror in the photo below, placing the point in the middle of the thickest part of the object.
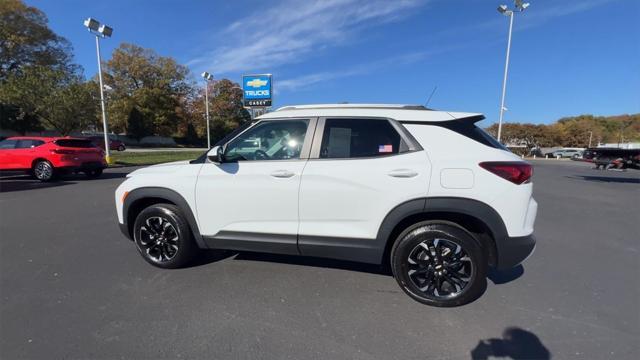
(216, 154)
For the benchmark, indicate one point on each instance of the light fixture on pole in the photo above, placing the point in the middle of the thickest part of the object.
(207, 77)
(101, 31)
(504, 10)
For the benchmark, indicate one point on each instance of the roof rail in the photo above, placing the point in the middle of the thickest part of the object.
(355, 106)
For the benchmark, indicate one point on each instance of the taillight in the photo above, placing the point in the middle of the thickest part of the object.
(515, 171)
(63, 151)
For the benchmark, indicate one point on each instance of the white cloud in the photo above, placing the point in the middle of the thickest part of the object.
(292, 30)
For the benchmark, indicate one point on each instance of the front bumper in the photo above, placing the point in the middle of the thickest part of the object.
(125, 230)
(514, 250)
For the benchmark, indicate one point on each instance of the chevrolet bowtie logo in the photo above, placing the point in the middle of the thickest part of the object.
(256, 83)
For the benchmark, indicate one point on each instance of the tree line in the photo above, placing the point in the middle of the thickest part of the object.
(146, 93)
(575, 131)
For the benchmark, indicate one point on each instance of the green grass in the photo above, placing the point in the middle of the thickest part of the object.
(149, 158)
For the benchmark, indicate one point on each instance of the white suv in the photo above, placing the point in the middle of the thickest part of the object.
(427, 192)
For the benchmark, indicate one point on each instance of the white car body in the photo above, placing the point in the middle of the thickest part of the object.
(341, 207)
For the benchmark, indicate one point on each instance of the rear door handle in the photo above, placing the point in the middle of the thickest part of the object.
(282, 174)
(403, 173)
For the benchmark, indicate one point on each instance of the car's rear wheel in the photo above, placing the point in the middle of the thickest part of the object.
(43, 170)
(439, 263)
(163, 237)
(92, 174)
(121, 148)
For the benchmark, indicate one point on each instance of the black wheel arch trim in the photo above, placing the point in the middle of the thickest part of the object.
(463, 206)
(140, 194)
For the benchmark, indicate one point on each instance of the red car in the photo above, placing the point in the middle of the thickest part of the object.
(46, 157)
(113, 143)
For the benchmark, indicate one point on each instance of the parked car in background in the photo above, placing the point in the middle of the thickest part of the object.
(608, 158)
(47, 157)
(566, 153)
(114, 144)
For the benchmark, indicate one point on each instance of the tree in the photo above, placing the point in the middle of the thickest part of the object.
(26, 40)
(59, 100)
(156, 86)
(35, 68)
(136, 126)
(225, 108)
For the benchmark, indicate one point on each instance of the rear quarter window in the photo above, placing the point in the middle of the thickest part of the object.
(75, 143)
(470, 130)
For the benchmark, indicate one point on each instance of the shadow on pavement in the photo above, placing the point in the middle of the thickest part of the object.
(21, 183)
(516, 343)
(499, 277)
(26, 182)
(313, 261)
(622, 180)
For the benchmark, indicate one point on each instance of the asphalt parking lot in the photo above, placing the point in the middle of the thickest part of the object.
(71, 286)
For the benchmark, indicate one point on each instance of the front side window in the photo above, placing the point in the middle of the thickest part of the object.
(269, 140)
(355, 138)
(27, 144)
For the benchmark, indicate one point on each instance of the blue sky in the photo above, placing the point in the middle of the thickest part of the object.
(567, 58)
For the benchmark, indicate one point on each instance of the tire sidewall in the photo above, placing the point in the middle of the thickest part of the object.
(171, 213)
(407, 241)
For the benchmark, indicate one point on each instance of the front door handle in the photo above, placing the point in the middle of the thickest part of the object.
(282, 174)
(403, 173)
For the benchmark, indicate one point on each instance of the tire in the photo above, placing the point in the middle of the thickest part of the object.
(43, 170)
(425, 257)
(173, 246)
(92, 174)
(121, 148)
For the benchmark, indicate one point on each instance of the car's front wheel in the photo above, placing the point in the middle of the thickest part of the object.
(439, 263)
(43, 170)
(163, 237)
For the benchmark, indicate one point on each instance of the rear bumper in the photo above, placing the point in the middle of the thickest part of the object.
(514, 250)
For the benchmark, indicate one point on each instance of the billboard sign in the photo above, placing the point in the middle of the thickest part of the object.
(257, 90)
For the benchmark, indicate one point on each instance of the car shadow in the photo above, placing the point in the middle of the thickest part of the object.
(313, 262)
(26, 182)
(499, 277)
(621, 180)
(516, 343)
(104, 176)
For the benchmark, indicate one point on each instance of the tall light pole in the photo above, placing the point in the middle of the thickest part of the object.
(504, 10)
(101, 31)
(207, 77)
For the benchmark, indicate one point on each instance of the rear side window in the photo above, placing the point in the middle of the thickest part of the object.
(75, 143)
(8, 144)
(356, 138)
(27, 144)
(470, 130)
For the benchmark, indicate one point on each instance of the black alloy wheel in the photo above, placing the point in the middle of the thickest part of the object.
(163, 237)
(439, 263)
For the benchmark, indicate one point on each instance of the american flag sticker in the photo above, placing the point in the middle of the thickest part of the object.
(385, 148)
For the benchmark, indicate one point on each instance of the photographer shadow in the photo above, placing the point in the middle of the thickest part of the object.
(516, 343)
